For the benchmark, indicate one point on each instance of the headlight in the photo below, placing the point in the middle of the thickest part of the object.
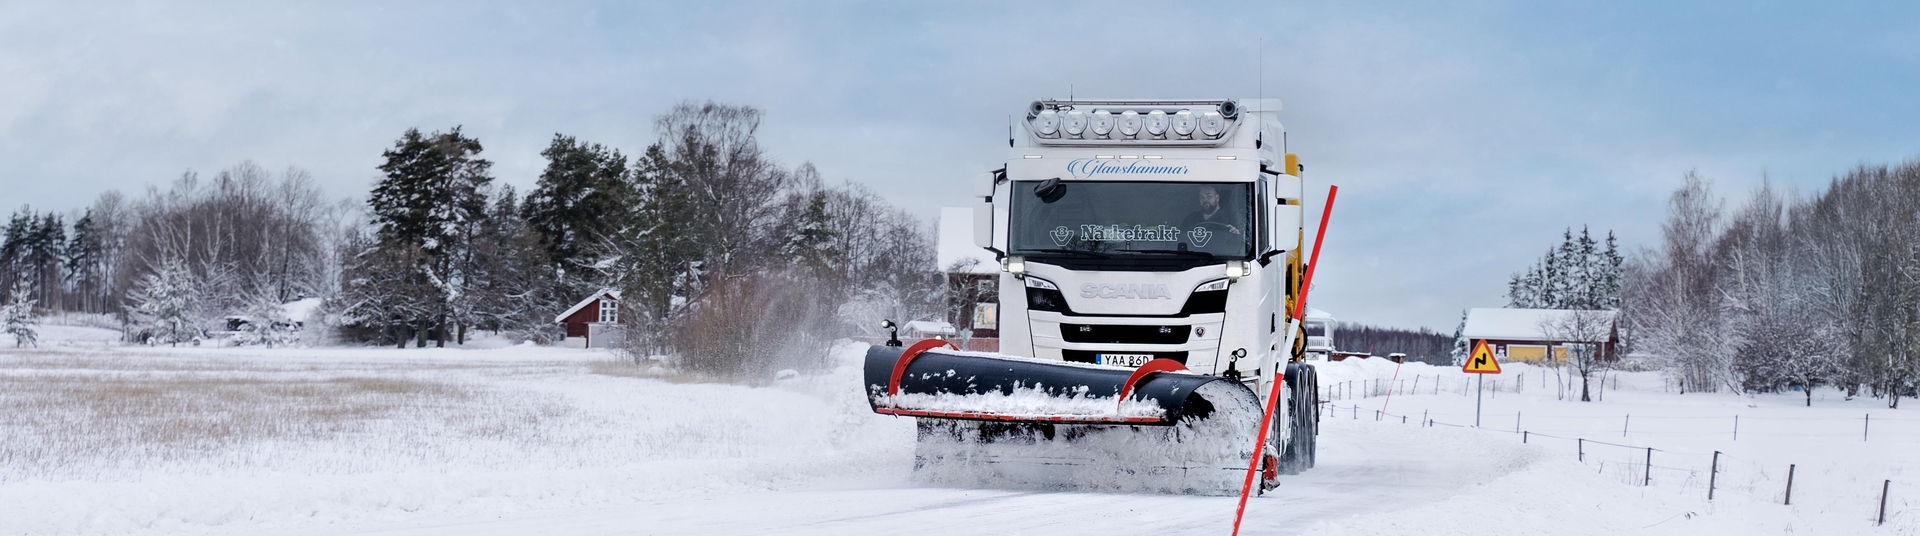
(1075, 124)
(1183, 123)
(1157, 123)
(1217, 284)
(1047, 123)
(1211, 124)
(1129, 123)
(1035, 282)
(1102, 123)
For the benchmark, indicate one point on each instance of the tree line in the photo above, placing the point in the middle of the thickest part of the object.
(1421, 345)
(728, 261)
(1784, 291)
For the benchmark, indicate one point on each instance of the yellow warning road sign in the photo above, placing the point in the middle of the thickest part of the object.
(1482, 361)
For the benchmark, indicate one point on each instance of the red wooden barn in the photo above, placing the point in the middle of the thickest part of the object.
(594, 322)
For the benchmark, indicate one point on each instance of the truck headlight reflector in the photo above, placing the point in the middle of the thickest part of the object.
(1157, 123)
(1183, 123)
(1212, 124)
(1129, 123)
(1210, 286)
(1035, 282)
(1075, 124)
(1102, 123)
(1047, 123)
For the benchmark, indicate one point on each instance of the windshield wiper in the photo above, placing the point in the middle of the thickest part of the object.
(1173, 252)
(1072, 251)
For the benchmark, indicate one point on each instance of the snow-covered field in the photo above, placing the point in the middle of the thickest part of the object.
(518, 440)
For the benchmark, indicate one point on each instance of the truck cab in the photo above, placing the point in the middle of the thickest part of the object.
(1319, 330)
(1129, 230)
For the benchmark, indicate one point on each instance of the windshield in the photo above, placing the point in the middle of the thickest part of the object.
(1131, 219)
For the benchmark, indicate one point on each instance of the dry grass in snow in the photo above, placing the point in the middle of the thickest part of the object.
(132, 440)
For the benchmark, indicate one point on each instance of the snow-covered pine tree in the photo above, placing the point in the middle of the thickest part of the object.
(1612, 272)
(582, 199)
(1585, 275)
(10, 247)
(1550, 283)
(1460, 345)
(83, 256)
(433, 191)
(1565, 281)
(18, 316)
(164, 304)
(44, 256)
(809, 240)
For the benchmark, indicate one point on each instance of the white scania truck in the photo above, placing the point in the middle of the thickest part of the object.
(1150, 253)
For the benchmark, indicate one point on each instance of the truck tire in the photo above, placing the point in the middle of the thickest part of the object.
(1294, 456)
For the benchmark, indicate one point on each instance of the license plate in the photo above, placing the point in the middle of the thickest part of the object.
(1123, 360)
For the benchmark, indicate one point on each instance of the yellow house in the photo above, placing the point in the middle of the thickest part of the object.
(1531, 335)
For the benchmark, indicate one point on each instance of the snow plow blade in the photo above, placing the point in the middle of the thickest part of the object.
(997, 420)
(945, 383)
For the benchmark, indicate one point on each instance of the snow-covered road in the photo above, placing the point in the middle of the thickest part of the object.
(1364, 468)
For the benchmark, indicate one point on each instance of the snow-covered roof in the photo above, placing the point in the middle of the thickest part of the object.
(932, 326)
(956, 242)
(1316, 314)
(299, 310)
(615, 294)
(1536, 324)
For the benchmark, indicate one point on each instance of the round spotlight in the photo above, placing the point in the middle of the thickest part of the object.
(1075, 124)
(1102, 123)
(1047, 123)
(1213, 125)
(1033, 110)
(1157, 123)
(1183, 123)
(1129, 123)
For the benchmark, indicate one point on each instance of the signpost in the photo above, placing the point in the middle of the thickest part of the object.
(1480, 362)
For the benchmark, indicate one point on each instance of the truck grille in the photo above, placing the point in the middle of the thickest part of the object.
(1122, 334)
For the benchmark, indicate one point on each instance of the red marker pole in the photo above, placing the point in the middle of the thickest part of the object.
(1279, 369)
(1390, 384)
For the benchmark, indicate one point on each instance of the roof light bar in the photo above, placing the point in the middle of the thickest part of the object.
(1168, 123)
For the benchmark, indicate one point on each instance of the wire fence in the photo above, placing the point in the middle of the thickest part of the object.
(1710, 473)
(1866, 425)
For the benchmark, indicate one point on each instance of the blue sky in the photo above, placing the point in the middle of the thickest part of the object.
(1464, 137)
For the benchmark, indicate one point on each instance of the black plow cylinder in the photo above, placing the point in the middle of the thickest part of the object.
(944, 383)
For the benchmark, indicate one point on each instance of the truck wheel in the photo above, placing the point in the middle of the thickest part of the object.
(1312, 415)
(1293, 456)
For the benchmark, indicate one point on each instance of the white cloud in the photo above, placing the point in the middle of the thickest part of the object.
(1464, 138)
